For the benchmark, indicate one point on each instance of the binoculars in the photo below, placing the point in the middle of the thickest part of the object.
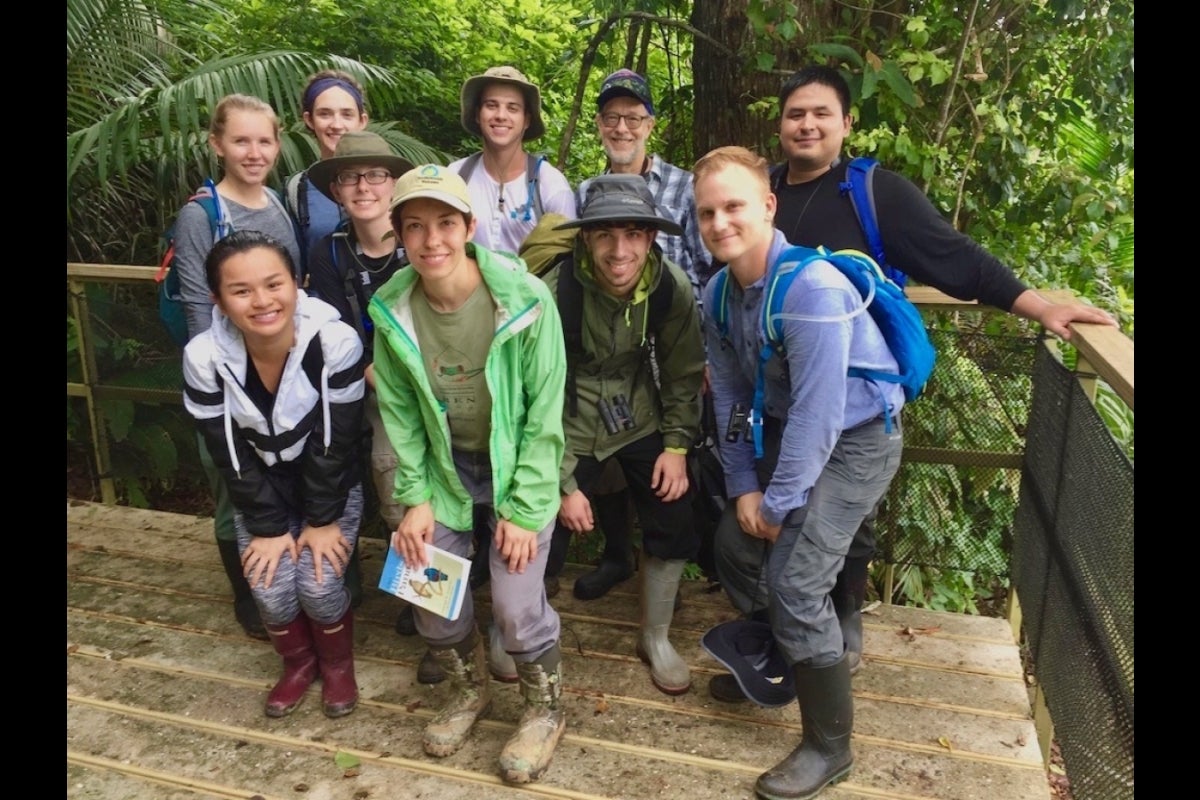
(616, 415)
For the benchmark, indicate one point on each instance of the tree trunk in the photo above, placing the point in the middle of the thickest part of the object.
(727, 84)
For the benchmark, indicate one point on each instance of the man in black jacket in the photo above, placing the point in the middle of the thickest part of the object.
(812, 210)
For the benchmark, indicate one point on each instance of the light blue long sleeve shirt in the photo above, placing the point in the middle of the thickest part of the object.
(809, 390)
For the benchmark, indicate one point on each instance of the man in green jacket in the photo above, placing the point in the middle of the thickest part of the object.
(635, 368)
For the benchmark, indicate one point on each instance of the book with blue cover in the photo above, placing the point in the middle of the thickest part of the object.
(439, 586)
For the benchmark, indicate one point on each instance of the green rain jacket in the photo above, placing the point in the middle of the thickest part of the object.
(525, 372)
(614, 333)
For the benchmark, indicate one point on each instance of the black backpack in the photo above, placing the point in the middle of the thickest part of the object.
(358, 282)
(570, 308)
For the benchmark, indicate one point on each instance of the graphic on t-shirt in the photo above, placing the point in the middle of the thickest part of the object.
(451, 366)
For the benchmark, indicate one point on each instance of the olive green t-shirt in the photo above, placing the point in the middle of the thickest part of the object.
(454, 346)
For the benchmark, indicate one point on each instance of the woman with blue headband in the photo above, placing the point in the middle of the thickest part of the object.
(333, 105)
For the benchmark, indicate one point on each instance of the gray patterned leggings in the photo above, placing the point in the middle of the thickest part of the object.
(295, 588)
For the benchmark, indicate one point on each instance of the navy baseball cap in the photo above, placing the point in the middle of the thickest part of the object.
(628, 83)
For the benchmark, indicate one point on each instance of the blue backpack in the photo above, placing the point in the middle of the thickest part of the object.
(898, 319)
(170, 299)
(859, 187)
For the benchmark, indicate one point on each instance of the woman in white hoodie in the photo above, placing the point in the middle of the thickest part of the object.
(276, 387)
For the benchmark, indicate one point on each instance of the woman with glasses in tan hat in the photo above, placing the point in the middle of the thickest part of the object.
(470, 369)
(509, 189)
(346, 267)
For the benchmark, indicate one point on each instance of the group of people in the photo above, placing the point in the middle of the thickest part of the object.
(390, 327)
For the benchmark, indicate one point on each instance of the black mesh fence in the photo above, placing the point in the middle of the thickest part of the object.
(1073, 570)
(131, 345)
(951, 504)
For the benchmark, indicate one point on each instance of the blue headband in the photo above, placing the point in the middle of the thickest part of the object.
(321, 84)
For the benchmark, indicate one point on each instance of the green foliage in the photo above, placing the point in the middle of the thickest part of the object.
(956, 591)
(1117, 416)
(142, 79)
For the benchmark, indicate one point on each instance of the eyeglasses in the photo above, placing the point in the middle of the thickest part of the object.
(373, 176)
(632, 121)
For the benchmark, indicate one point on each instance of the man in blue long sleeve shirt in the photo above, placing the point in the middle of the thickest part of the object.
(832, 444)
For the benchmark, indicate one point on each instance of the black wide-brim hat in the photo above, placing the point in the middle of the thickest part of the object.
(748, 649)
(614, 197)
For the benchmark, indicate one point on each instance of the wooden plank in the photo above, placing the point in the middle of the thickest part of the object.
(930, 299)
(165, 695)
(111, 272)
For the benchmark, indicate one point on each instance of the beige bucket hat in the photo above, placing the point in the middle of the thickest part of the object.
(473, 88)
(357, 147)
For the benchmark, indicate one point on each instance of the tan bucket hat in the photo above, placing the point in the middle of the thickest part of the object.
(473, 88)
(357, 147)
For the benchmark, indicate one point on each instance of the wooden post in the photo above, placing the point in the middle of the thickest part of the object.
(1086, 375)
(1012, 613)
(87, 360)
(1042, 724)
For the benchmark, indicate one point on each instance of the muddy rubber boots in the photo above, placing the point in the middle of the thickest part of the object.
(294, 644)
(660, 585)
(465, 665)
(528, 752)
(335, 659)
(616, 562)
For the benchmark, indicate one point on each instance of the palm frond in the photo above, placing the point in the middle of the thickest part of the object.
(414, 150)
(1089, 149)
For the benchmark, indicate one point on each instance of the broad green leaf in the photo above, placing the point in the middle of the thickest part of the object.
(896, 81)
(153, 441)
(939, 71)
(839, 51)
(870, 78)
(119, 414)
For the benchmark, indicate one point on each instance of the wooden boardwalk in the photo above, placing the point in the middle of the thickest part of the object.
(165, 694)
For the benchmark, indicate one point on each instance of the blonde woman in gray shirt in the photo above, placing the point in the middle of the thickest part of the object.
(244, 134)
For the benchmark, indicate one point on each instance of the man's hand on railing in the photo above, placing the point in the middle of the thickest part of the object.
(1057, 317)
